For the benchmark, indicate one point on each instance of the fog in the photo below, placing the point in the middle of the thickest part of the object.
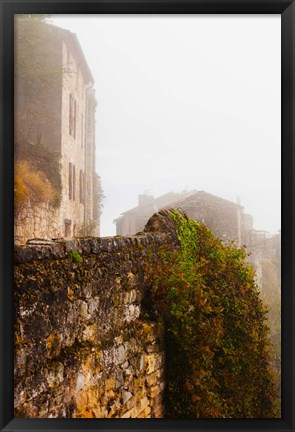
(186, 102)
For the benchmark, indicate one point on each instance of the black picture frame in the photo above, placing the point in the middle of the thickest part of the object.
(7, 10)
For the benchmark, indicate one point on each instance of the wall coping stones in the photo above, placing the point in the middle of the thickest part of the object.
(159, 229)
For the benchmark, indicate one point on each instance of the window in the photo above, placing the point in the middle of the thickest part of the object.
(75, 117)
(81, 187)
(72, 181)
(72, 115)
(68, 223)
(82, 130)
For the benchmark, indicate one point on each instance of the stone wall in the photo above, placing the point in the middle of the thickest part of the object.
(36, 221)
(83, 344)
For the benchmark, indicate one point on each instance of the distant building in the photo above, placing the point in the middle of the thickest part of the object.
(134, 220)
(225, 218)
(62, 119)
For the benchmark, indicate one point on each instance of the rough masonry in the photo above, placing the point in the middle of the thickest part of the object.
(84, 346)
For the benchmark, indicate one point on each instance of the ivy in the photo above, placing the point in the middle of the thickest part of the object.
(217, 343)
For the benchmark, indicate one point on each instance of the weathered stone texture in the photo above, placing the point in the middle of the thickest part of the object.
(82, 345)
(36, 221)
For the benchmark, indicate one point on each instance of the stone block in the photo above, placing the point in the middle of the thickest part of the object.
(140, 407)
(152, 379)
(120, 355)
(131, 402)
(80, 382)
(126, 396)
(132, 312)
(90, 333)
(127, 414)
(150, 362)
(154, 391)
(145, 413)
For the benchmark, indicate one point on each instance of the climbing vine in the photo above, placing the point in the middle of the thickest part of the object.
(217, 344)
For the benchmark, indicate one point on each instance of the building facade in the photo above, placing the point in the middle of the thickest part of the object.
(56, 111)
(225, 218)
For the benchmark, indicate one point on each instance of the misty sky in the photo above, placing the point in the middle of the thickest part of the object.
(186, 102)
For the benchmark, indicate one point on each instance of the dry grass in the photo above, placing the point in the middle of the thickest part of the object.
(31, 185)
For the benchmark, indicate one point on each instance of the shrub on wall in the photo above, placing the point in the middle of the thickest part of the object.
(217, 341)
(32, 185)
(41, 160)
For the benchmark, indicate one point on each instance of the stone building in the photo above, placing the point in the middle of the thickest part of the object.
(225, 218)
(134, 220)
(55, 109)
